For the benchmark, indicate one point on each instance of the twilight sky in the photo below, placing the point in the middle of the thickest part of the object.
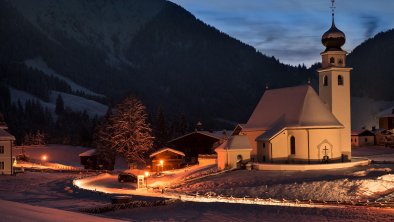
(291, 29)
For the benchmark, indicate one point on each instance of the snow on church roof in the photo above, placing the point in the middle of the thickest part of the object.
(236, 142)
(4, 135)
(298, 106)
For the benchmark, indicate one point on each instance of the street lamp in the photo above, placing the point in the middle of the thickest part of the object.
(161, 164)
(44, 158)
(146, 178)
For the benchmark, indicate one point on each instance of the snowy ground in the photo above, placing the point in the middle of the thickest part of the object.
(56, 190)
(12, 211)
(60, 154)
(376, 153)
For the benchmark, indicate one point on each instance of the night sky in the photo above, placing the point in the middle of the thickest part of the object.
(291, 30)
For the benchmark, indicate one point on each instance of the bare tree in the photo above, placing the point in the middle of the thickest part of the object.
(130, 133)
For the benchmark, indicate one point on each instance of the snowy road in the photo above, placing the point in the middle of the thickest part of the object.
(12, 212)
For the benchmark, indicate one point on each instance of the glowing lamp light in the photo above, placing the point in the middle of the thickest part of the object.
(161, 162)
(44, 158)
(146, 174)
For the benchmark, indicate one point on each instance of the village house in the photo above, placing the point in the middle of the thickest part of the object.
(6, 159)
(387, 121)
(299, 125)
(383, 137)
(362, 137)
(166, 159)
(198, 143)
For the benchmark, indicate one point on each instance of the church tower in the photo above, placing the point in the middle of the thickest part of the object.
(334, 82)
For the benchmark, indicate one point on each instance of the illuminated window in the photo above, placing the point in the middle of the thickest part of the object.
(292, 145)
(325, 81)
(332, 60)
(340, 80)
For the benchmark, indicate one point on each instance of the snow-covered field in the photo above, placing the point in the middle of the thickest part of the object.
(73, 102)
(39, 64)
(60, 154)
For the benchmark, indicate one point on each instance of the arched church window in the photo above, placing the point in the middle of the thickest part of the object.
(325, 81)
(340, 61)
(340, 80)
(292, 145)
(332, 60)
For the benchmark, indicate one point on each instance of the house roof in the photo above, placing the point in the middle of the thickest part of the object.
(298, 106)
(223, 134)
(166, 149)
(362, 132)
(4, 135)
(236, 142)
(88, 153)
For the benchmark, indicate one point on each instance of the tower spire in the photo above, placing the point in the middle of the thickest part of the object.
(333, 11)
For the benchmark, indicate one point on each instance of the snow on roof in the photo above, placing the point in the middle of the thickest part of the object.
(223, 134)
(362, 132)
(4, 135)
(88, 153)
(236, 142)
(166, 149)
(289, 107)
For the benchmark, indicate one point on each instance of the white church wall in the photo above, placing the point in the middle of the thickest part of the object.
(252, 135)
(319, 139)
(322, 142)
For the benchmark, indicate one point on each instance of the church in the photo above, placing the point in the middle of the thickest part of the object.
(297, 125)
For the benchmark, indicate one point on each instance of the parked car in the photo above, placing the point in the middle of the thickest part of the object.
(127, 177)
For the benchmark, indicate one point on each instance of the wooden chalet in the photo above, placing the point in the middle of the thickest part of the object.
(198, 143)
(166, 159)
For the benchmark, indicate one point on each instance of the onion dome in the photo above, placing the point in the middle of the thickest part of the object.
(334, 38)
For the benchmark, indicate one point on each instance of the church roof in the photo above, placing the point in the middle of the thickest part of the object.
(298, 106)
(4, 135)
(236, 142)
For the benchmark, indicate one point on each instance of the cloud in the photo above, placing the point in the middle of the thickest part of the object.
(371, 24)
(291, 29)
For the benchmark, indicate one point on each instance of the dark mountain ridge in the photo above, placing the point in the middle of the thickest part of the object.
(168, 57)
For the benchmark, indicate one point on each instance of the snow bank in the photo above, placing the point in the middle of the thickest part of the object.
(12, 211)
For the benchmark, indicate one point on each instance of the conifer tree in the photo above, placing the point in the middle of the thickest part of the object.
(59, 104)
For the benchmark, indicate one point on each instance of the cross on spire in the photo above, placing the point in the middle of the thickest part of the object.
(333, 8)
